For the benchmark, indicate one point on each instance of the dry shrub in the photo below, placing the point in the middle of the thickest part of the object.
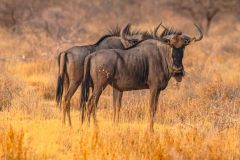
(36, 75)
(28, 45)
(13, 145)
(9, 88)
(29, 103)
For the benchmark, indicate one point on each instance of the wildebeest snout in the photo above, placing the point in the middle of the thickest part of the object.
(178, 71)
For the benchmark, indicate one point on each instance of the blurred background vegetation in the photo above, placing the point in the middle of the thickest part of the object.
(75, 19)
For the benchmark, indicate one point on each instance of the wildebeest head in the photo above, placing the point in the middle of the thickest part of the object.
(178, 41)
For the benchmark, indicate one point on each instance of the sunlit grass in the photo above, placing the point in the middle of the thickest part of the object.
(48, 139)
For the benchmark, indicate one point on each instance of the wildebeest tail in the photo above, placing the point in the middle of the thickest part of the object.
(86, 79)
(62, 59)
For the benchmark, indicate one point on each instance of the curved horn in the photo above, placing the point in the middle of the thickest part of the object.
(199, 30)
(124, 30)
(155, 31)
(164, 27)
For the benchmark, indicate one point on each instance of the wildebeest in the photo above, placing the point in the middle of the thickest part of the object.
(71, 62)
(148, 64)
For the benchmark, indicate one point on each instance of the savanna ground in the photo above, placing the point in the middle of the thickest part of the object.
(198, 118)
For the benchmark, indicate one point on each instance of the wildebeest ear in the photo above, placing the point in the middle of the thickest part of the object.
(165, 40)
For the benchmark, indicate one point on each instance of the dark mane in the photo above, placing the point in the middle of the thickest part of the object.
(110, 33)
(149, 35)
(117, 30)
(114, 31)
(102, 38)
(169, 31)
(145, 34)
(134, 44)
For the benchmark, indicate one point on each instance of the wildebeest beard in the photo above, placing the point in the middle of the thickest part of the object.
(177, 56)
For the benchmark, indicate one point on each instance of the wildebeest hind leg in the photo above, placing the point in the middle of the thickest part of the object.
(66, 87)
(94, 101)
(71, 90)
(82, 108)
(64, 115)
(83, 105)
(68, 113)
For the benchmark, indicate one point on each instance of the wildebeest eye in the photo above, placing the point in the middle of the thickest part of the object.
(186, 41)
(134, 41)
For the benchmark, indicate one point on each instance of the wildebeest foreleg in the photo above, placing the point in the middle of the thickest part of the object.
(117, 103)
(154, 94)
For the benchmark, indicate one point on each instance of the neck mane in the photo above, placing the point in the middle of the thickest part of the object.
(166, 54)
(102, 39)
(116, 32)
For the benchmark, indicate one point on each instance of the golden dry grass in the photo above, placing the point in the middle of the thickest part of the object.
(197, 119)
